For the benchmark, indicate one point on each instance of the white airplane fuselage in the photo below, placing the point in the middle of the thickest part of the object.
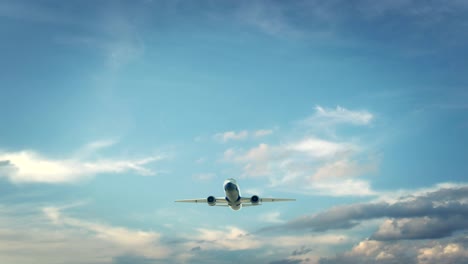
(233, 196)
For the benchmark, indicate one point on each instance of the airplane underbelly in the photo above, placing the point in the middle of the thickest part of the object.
(232, 196)
(235, 207)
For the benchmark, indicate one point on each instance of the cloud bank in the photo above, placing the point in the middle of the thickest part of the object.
(432, 215)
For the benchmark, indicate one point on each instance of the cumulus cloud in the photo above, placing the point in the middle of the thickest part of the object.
(29, 166)
(447, 251)
(435, 214)
(310, 165)
(259, 159)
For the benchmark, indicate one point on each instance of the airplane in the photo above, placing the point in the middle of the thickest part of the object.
(233, 198)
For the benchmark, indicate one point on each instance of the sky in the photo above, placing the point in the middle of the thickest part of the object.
(111, 110)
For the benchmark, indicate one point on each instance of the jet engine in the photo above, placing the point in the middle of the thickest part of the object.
(211, 200)
(255, 199)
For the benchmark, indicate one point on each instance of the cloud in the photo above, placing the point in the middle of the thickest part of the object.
(231, 135)
(32, 167)
(271, 217)
(129, 241)
(241, 135)
(340, 187)
(29, 234)
(443, 253)
(258, 160)
(338, 116)
(310, 165)
(234, 239)
(436, 214)
(342, 168)
(318, 148)
(263, 132)
(447, 251)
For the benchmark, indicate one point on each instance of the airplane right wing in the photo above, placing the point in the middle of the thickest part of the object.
(221, 200)
(246, 201)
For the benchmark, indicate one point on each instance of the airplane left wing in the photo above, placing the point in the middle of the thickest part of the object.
(201, 200)
(265, 200)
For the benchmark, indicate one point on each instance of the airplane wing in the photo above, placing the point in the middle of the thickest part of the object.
(221, 200)
(246, 200)
(265, 200)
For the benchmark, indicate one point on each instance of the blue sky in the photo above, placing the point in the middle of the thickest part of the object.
(114, 109)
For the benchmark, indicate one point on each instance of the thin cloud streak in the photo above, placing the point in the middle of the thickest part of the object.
(241, 135)
(324, 117)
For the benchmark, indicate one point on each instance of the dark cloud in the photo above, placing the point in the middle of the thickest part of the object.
(198, 248)
(301, 251)
(132, 259)
(4, 163)
(286, 261)
(432, 215)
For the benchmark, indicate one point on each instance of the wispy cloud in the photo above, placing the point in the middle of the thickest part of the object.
(339, 115)
(241, 135)
(32, 167)
(49, 235)
(231, 135)
(129, 241)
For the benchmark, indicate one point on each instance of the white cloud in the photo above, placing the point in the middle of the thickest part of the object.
(319, 148)
(231, 135)
(241, 135)
(418, 251)
(32, 167)
(129, 241)
(449, 253)
(233, 238)
(311, 165)
(345, 187)
(343, 168)
(339, 115)
(271, 217)
(263, 132)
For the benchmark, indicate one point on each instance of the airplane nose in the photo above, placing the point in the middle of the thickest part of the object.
(229, 186)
